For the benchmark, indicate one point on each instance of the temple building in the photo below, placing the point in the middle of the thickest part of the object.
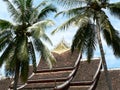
(69, 73)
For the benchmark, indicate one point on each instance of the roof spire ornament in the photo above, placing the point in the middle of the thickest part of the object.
(61, 47)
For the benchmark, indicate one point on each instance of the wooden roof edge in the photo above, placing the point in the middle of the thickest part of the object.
(55, 70)
(38, 88)
(22, 86)
(71, 75)
(112, 69)
(81, 83)
(48, 80)
(92, 82)
(97, 58)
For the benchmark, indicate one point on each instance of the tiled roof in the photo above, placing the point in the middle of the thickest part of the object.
(4, 84)
(54, 78)
(67, 60)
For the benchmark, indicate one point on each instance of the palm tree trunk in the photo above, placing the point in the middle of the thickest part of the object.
(16, 76)
(108, 79)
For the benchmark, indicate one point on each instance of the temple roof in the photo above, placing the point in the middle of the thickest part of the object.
(61, 47)
(86, 72)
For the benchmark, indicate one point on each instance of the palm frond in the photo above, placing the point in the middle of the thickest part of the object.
(16, 2)
(33, 16)
(102, 17)
(114, 9)
(5, 39)
(45, 53)
(10, 66)
(72, 12)
(22, 6)
(112, 38)
(5, 24)
(116, 45)
(24, 70)
(32, 55)
(45, 11)
(7, 54)
(85, 39)
(71, 3)
(38, 28)
(46, 38)
(21, 48)
(42, 4)
(67, 23)
(12, 9)
(79, 40)
(91, 41)
(29, 3)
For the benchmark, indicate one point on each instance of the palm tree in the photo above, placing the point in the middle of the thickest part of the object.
(91, 19)
(21, 38)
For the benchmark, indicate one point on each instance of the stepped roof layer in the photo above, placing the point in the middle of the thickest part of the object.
(85, 72)
(65, 61)
(102, 85)
(5, 83)
(47, 78)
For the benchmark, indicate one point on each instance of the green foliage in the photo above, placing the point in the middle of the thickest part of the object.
(46, 10)
(24, 70)
(85, 39)
(32, 56)
(45, 53)
(114, 8)
(86, 16)
(21, 48)
(16, 40)
(5, 24)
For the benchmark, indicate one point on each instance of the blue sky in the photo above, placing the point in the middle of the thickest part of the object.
(112, 61)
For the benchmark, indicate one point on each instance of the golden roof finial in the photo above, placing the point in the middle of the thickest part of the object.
(61, 47)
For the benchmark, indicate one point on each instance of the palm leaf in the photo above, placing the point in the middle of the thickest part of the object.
(29, 3)
(45, 11)
(38, 28)
(42, 4)
(46, 38)
(32, 55)
(5, 24)
(112, 38)
(24, 70)
(67, 23)
(72, 12)
(114, 9)
(91, 41)
(79, 40)
(5, 37)
(7, 54)
(45, 53)
(12, 9)
(71, 3)
(21, 48)
(10, 66)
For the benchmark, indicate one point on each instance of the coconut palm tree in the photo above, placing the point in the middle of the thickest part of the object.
(22, 37)
(90, 18)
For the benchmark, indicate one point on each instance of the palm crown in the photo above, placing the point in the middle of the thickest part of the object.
(90, 18)
(86, 15)
(21, 38)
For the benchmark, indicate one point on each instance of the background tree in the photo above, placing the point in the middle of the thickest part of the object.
(21, 38)
(91, 20)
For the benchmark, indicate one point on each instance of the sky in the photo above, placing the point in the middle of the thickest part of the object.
(112, 61)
